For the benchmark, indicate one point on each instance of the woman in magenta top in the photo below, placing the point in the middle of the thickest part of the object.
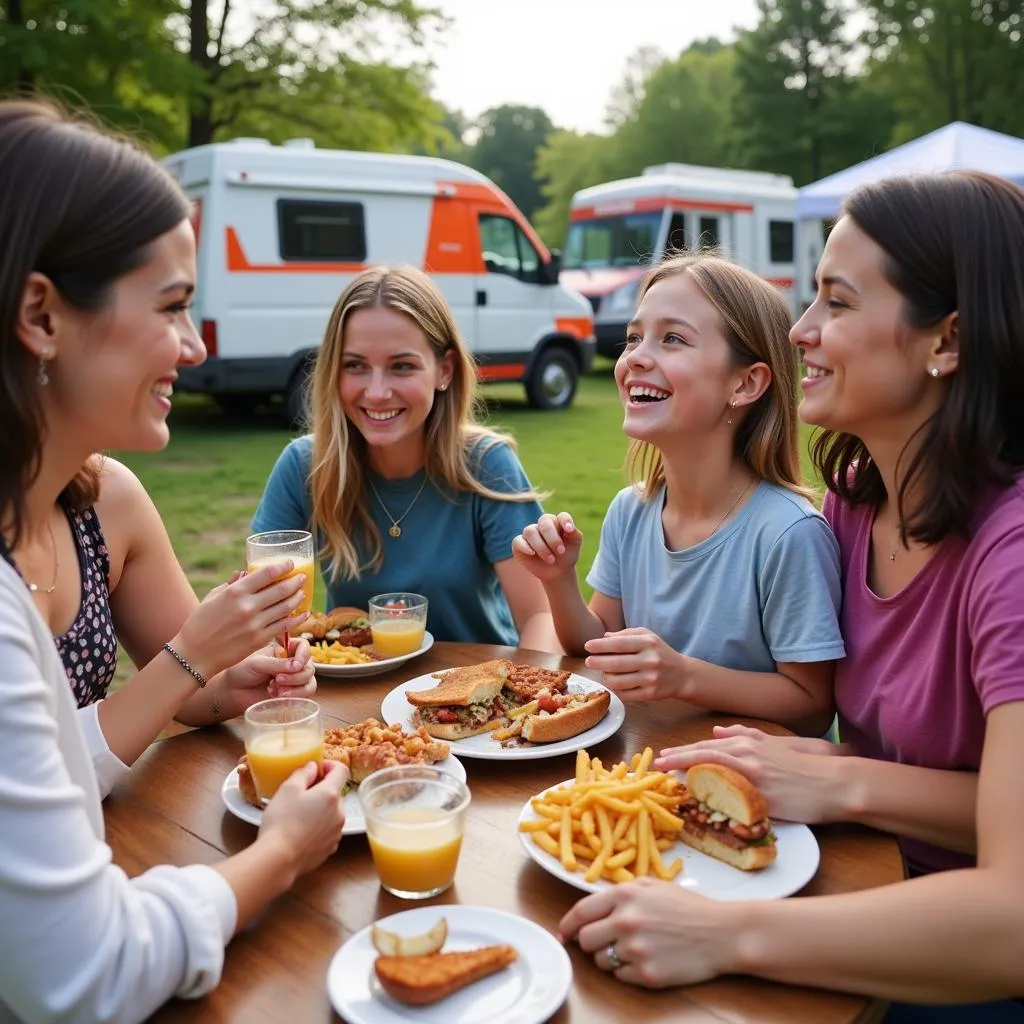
(914, 368)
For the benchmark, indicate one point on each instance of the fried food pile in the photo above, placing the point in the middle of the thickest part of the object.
(363, 748)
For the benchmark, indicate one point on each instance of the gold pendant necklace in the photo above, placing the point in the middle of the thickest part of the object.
(395, 529)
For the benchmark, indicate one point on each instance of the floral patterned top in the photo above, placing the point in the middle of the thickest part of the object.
(88, 648)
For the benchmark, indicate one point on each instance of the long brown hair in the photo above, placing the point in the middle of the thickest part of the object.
(79, 206)
(454, 438)
(756, 321)
(953, 243)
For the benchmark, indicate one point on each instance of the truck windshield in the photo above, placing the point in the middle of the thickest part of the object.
(625, 240)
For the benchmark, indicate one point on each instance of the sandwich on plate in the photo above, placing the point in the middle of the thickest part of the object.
(466, 702)
(726, 817)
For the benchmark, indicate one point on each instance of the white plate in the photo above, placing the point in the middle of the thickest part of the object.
(355, 823)
(793, 868)
(371, 668)
(528, 991)
(396, 710)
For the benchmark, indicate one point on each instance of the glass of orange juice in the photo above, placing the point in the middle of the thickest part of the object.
(415, 818)
(263, 549)
(398, 622)
(281, 735)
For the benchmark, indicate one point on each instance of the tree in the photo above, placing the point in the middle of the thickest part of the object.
(799, 109)
(113, 56)
(625, 98)
(506, 151)
(565, 164)
(684, 116)
(949, 60)
(307, 66)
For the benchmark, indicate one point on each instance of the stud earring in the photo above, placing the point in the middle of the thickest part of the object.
(934, 371)
(732, 405)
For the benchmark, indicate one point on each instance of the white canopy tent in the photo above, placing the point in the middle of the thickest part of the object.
(956, 146)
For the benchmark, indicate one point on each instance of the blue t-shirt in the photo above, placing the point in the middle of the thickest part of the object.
(449, 544)
(763, 589)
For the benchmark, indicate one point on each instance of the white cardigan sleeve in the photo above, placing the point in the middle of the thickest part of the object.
(79, 941)
(107, 766)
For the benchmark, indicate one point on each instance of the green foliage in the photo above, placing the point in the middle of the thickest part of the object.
(949, 60)
(506, 150)
(566, 164)
(799, 108)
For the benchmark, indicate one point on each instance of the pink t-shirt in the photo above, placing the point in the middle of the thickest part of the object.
(925, 666)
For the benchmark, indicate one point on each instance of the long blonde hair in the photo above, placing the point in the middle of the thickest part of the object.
(757, 320)
(454, 438)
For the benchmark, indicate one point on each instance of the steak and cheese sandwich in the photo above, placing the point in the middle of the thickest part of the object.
(726, 817)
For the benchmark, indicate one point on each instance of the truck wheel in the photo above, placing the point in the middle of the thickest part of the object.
(553, 379)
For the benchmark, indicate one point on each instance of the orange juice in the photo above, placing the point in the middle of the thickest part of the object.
(418, 858)
(274, 755)
(306, 567)
(397, 637)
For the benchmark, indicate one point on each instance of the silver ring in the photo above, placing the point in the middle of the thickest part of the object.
(613, 958)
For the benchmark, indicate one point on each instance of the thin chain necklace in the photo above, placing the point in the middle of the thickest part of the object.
(395, 530)
(728, 511)
(34, 587)
(895, 544)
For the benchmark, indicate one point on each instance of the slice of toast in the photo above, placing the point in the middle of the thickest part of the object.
(419, 980)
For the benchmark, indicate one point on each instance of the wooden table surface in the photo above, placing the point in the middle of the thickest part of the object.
(169, 811)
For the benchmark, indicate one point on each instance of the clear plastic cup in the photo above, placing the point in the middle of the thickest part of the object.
(398, 623)
(415, 819)
(281, 735)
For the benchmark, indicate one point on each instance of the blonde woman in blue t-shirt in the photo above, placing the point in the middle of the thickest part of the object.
(404, 490)
(716, 581)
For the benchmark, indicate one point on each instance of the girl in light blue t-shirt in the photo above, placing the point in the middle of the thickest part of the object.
(716, 581)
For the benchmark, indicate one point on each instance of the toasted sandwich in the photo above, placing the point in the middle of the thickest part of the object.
(726, 817)
(419, 980)
(467, 701)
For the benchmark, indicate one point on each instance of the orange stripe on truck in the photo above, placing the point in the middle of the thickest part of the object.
(579, 327)
(615, 207)
(238, 262)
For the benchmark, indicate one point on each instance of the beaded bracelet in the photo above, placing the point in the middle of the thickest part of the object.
(195, 673)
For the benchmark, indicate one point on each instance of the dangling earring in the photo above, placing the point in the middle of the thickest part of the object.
(732, 405)
(42, 377)
(934, 371)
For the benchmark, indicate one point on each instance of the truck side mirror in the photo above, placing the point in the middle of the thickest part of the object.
(554, 267)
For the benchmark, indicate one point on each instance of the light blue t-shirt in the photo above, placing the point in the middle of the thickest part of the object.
(763, 589)
(449, 545)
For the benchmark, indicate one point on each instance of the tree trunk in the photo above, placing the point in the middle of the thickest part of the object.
(26, 80)
(200, 121)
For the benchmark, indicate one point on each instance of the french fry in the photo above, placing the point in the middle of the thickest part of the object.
(547, 843)
(566, 855)
(643, 838)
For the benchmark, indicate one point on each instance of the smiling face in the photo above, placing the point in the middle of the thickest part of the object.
(866, 370)
(389, 376)
(113, 371)
(676, 373)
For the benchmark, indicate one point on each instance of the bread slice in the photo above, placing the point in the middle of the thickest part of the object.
(746, 858)
(419, 980)
(727, 791)
(474, 684)
(570, 721)
(455, 730)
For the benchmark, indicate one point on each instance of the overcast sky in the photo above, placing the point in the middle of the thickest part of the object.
(564, 55)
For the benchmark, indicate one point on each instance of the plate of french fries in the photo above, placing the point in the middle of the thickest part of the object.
(609, 825)
(334, 659)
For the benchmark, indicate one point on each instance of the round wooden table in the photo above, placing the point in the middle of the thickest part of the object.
(169, 811)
